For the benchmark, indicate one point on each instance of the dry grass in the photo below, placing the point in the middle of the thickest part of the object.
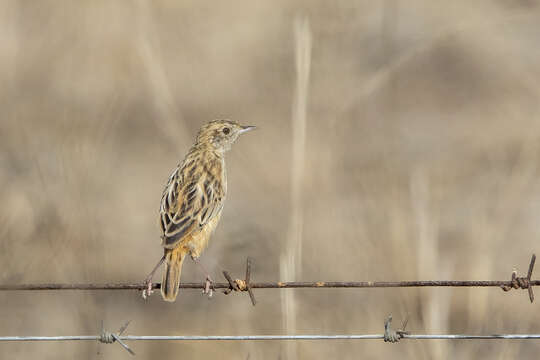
(422, 145)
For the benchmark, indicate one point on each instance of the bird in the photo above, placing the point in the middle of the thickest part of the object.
(192, 202)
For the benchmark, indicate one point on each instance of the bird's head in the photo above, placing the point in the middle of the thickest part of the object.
(221, 134)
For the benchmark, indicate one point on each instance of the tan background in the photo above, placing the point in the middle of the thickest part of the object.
(422, 162)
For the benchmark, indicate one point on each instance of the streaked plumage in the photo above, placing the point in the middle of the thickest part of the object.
(193, 199)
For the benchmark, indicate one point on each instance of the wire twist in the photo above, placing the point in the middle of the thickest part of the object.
(106, 337)
(239, 284)
(393, 336)
(523, 283)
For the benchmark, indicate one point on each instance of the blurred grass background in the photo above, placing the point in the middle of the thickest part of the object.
(422, 145)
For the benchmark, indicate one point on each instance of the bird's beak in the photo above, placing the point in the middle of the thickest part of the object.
(246, 129)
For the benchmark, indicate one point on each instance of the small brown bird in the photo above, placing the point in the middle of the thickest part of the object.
(193, 199)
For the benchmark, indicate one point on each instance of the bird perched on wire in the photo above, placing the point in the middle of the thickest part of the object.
(192, 201)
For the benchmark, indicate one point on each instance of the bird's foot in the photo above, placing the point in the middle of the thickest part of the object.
(149, 288)
(208, 286)
(148, 281)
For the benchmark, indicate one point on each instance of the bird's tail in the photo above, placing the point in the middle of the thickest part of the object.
(171, 276)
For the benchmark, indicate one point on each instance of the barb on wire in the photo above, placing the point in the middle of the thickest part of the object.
(514, 283)
(232, 283)
(106, 337)
(391, 335)
(522, 282)
(241, 285)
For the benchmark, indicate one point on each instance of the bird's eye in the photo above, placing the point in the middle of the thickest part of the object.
(226, 131)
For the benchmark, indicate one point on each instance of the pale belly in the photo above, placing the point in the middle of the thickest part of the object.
(197, 241)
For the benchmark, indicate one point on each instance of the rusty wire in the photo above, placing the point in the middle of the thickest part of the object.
(246, 284)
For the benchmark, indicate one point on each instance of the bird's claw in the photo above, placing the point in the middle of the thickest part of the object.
(208, 287)
(148, 290)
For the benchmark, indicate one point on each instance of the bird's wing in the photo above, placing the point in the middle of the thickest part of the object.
(187, 204)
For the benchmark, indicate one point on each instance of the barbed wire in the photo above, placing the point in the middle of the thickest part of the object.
(525, 283)
(271, 337)
(389, 335)
(246, 285)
